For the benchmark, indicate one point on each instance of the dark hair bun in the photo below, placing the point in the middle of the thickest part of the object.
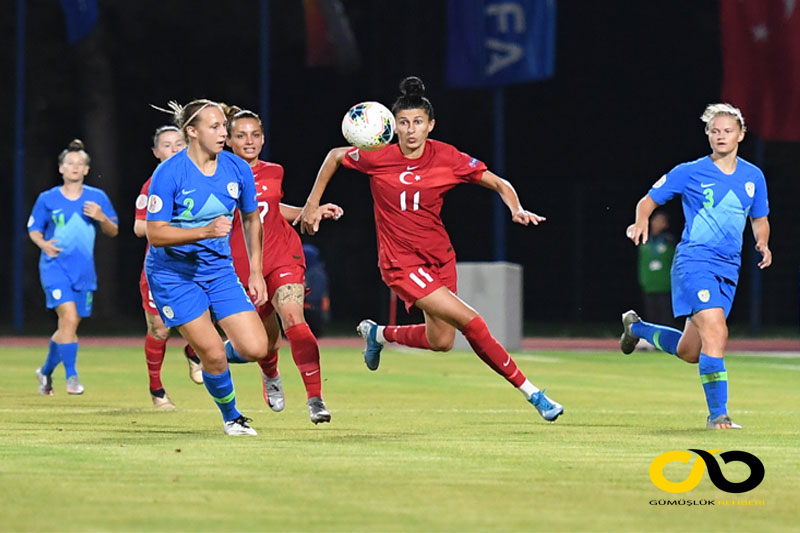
(412, 87)
(76, 145)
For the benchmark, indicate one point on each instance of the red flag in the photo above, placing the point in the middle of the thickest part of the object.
(761, 64)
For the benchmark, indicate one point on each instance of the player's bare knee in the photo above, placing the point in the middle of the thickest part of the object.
(160, 333)
(442, 343)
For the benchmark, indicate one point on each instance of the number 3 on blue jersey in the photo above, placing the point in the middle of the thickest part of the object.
(709, 194)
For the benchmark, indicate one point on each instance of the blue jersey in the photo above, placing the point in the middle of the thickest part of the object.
(716, 206)
(186, 198)
(62, 219)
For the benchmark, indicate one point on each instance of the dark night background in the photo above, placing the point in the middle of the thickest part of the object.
(623, 108)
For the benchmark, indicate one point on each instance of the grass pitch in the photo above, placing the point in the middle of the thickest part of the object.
(430, 442)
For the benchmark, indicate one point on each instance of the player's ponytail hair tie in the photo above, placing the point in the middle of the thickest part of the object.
(75, 145)
(179, 113)
(412, 96)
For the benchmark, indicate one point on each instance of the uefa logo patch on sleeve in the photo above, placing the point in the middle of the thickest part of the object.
(141, 201)
(473, 162)
(233, 189)
(155, 203)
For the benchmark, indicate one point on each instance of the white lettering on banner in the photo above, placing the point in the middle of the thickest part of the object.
(503, 53)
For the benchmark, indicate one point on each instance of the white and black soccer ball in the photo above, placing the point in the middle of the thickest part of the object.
(368, 126)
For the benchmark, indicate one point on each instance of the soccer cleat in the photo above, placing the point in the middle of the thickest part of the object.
(273, 392)
(317, 410)
(163, 401)
(239, 426)
(720, 421)
(547, 407)
(45, 383)
(74, 386)
(195, 367)
(372, 351)
(628, 341)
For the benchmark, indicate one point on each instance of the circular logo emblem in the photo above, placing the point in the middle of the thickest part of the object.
(30, 221)
(141, 201)
(704, 295)
(661, 181)
(154, 204)
(233, 189)
(168, 312)
(56, 294)
(750, 188)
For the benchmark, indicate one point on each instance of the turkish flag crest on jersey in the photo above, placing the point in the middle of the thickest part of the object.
(761, 64)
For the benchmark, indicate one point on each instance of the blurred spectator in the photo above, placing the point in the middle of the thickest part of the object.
(655, 261)
(317, 302)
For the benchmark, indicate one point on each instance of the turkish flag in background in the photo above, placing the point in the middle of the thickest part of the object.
(761, 64)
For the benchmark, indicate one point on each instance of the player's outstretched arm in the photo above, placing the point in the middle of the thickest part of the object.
(638, 231)
(310, 216)
(160, 233)
(290, 212)
(508, 194)
(761, 231)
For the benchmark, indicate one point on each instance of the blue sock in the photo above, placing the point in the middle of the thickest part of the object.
(53, 358)
(715, 384)
(69, 356)
(664, 338)
(232, 355)
(220, 387)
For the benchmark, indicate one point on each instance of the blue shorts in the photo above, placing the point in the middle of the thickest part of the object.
(58, 290)
(694, 290)
(180, 300)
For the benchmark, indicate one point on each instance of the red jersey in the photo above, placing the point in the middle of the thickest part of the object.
(282, 245)
(408, 196)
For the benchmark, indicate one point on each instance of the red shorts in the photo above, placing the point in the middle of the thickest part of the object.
(413, 282)
(278, 278)
(148, 304)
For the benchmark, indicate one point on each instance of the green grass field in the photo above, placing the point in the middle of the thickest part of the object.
(430, 442)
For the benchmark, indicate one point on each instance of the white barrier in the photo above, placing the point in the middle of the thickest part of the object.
(495, 291)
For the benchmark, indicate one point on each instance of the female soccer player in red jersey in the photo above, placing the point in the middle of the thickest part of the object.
(283, 266)
(167, 141)
(408, 182)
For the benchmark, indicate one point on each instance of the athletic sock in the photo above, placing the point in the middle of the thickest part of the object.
(191, 355)
(664, 338)
(305, 352)
(232, 355)
(53, 358)
(69, 356)
(413, 336)
(220, 387)
(715, 384)
(154, 350)
(491, 352)
(528, 389)
(269, 365)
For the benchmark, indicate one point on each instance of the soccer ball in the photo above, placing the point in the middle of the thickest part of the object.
(368, 126)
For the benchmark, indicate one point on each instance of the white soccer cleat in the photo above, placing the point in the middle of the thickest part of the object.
(239, 426)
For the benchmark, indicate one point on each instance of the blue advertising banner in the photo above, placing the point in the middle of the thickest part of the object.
(80, 16)
(491, 43)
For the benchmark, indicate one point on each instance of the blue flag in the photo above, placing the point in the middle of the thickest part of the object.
(491, 43)
(80, 16)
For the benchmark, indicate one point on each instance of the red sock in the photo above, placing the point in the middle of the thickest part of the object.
(154, 352)
(413, 336)
(491, 352)
(305, 352)
(269, 365)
